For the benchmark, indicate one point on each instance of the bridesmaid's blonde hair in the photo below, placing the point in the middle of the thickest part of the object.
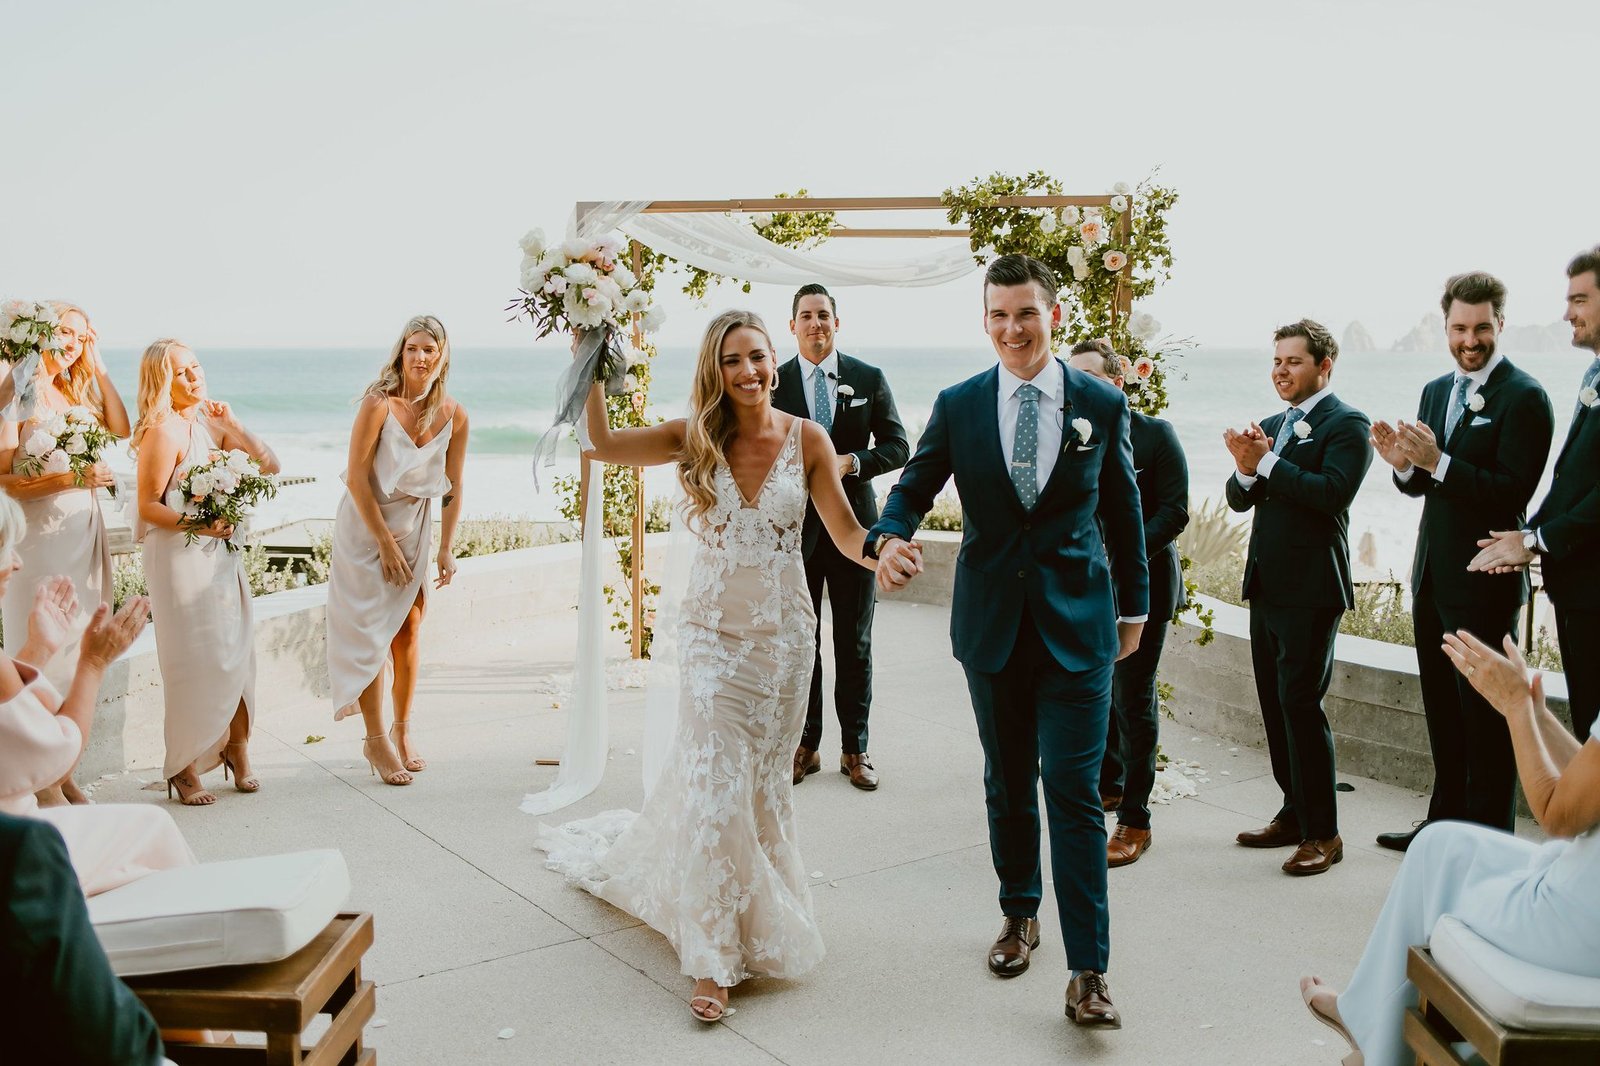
(710, 417)
(155, 388)
(76, 382)
(13, 526)
(390, 377)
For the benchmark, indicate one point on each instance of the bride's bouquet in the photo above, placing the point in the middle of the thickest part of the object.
(582, 286)
(224, 488)
(69, 441)
(27, 328)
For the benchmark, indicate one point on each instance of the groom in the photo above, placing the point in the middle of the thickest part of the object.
(1042, 462)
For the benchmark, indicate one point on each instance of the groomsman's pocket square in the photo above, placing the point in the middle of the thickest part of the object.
(858, 403)
(1074, 445)
(1479, 421)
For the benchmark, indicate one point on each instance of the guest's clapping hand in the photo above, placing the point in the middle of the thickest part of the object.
(1386, 442)
(55, 605)
(1418, 445)
(898, 563)
(109, 635)
(1502, 553)
(1503, 680)
(396, 571)
(447, 568)
(1247, 447)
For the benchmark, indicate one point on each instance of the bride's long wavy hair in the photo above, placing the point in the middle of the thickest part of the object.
(710, 414)
(390, 378)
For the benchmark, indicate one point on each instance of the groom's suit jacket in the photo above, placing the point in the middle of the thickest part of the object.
(1051, 560)
(865, 423)
(1568, 520)
(1497, 456)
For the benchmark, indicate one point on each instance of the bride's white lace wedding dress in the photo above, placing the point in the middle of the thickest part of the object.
(711, 862)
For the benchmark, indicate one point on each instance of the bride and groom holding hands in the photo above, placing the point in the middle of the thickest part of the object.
(1040, 456)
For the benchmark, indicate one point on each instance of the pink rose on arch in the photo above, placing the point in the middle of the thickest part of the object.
(1114, 260)
(1093, 231)
(1143, 367)
(638, 401)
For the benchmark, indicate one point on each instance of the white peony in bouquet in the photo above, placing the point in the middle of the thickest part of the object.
(223, 488)
(68, 441)
(27, 327)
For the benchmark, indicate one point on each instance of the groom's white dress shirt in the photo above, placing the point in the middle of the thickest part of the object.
(1270, 460)
(1477, 377)
(1052, 385)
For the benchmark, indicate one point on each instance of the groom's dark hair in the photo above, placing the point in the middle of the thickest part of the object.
(1319, 341)
(1587, 262)
(812, 290)
(1017, 269)
(1477, 287)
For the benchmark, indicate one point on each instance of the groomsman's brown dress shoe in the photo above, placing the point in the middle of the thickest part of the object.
(806, 761)
(1314, 857)
(1110, 802)
(1089, 1001)
(859, 769)
(1277, 834)
(1009, 954)
(1126, 845)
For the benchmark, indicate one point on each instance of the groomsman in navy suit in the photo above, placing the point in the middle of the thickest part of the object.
(1038, 451)
(852, 401)
(1128, 772)
(1474, 456)
(1565, 532)
(1299, 470)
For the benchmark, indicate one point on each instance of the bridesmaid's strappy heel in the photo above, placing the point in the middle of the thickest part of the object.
(249, 783)
(199, 796)
(415, 763)
(394, 777)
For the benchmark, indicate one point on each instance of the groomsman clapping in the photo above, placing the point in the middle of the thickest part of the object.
(1298, 470)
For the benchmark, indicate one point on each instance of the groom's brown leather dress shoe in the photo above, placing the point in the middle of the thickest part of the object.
(859, 769)
(1009, 954)
(1126, 845)
(806, 761)
(1089, 1001)
(1314, 857)
(1277, 834)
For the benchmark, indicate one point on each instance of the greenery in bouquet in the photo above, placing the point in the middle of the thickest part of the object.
(223, 489)
(69, 441)
(27, 327)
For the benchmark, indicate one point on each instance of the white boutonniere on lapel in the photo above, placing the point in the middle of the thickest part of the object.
(1084, 430)
(845, 391)
(1302, 430)
(1588, 396)
(1475, 402)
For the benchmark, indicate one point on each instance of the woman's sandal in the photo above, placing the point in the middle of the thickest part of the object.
(249, 783)
(723, 1010)
(393, 777)
(200, 796)
(415, 763)
(1308, 987)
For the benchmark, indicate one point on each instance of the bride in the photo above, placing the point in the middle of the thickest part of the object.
(711, 862)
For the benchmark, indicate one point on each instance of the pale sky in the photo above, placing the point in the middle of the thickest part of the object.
(302, 173)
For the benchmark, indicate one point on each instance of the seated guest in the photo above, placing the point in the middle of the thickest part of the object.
(1534, 901)
(63, 1004)
(42, 734)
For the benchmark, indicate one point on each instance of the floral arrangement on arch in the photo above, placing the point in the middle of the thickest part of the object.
(1091, 250)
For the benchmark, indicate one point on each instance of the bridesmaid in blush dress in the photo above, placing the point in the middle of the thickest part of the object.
(205, 639)
(66, 532)
(407, 447)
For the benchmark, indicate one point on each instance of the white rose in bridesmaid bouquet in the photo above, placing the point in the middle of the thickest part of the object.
(57, 462)
(39, 443)
(20, 333)
(200, 485)
(239, 461)
(57, 425)
(76, 445)
(224, 481)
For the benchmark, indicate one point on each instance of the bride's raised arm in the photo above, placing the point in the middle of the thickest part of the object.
(647, 446)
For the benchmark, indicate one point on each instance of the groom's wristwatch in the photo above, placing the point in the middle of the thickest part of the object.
(1530, 541)
(883, 542)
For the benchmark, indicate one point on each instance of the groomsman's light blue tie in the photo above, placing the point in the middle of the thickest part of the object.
(1025, 447)
(824, 405)
(1589, 378)
(1458, 404)
(1284, 431)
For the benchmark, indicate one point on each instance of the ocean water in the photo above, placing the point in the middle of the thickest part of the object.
(302, 401)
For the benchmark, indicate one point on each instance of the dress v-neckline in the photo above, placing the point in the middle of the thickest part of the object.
(418, 447)
(746, 501)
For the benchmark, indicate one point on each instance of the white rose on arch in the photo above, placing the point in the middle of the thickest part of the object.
(761, 219)
(1119, 203)
(623, 277)
(1143, 325)
(1071, 215)
(1475, 402)
(1121, 188)
(580, 274)
(653, 319)
(1093, 232)
(1114, 260)
(1080, 271)
(636, 301)
(1047, 223)
(1075, 256)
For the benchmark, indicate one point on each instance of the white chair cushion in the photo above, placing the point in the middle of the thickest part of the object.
(1518, 993)
(220, 913)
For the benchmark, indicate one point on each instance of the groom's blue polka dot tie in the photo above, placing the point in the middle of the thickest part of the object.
(824, 406)
(1025, 447)
(1458, 404)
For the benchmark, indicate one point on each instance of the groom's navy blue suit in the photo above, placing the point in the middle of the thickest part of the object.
(1034, 623)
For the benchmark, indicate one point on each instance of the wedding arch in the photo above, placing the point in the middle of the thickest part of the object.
(1109, 249)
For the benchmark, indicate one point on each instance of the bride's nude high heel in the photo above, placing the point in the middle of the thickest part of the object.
(416, 762)
(390, 777)
(711, 1002)
(248, 783)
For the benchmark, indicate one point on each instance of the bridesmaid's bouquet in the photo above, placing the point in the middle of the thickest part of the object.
(27, 328)
(224, 488)
(68, 441)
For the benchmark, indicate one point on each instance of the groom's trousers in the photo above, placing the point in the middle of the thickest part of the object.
(1036, 719)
